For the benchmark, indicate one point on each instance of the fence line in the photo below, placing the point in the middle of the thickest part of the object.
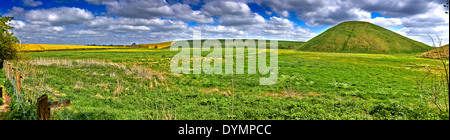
(34, 101)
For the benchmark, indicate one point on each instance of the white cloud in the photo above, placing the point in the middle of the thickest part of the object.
(16, 12)
(318, 13)
(284, 13)
(98, 30)
(385, 22)
(31, 3)
(130, 25)
(239, 21)
(282, 28)
(218, 30)
(57, 28)
(150, 9)
(433, 22)
(226, 8)
(277, 22)
(54, 16)
(140, 8)
(127, 21)
(185, 12)
(232, 13)
(418, 17)
(17, 24)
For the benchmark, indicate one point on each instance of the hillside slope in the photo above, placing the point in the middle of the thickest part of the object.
(362, 37)
(282, 44)
(436, 53)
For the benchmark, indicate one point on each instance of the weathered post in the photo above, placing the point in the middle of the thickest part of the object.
(43, 109)
(5, 68)
(1, 90)
(7, 71)
(12, 73)
(18, 83)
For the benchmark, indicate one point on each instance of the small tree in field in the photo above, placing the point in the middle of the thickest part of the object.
(436, 89)
(8, 41)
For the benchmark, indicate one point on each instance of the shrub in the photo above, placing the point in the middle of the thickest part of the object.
(8, 41)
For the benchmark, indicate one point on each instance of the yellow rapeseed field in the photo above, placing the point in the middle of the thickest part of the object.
(53, 47)
(157, 45)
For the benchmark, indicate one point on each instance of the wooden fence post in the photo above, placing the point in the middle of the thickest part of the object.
(7, 71)
(43, 109)
(12, 73)
(5, 68)
(19, 84)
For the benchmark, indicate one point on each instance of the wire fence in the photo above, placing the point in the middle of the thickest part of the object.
(28, 92)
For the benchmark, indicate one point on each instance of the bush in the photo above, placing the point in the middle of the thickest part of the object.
(8, 41)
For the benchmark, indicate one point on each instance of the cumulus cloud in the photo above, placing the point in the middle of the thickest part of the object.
(396, 8)
(131, 25)
(417, 17)
(385, 22)
(226, 8)
(232, 13)
(127, 21)
(54, 16)
(31, 3)
(209, 31)
(152, 9)
(185, 12)
(433, 22)
(239, 21)
(17, 24)
(282, 28)
(53, 27)
(140, 8)
(274, 28)
(318, 13)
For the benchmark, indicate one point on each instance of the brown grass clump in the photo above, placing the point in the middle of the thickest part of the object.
(78, 85)
(292, 94)
(216, 90)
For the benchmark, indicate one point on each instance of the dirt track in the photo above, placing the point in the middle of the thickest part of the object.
(6, 101)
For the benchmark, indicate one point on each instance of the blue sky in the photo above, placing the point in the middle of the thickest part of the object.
(148, 21)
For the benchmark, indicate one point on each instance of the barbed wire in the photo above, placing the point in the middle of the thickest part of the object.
(28, 100)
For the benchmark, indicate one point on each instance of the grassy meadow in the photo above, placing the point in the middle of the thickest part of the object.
(138, 84)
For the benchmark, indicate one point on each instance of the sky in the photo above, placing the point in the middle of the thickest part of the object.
(116, 22)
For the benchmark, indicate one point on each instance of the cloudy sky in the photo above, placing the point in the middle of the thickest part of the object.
(149, 21)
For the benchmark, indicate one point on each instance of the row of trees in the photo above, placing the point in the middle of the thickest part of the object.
(134, 45)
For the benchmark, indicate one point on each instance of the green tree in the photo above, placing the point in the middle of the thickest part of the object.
(8, 41)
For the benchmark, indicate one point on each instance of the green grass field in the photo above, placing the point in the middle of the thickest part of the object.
(138, 84)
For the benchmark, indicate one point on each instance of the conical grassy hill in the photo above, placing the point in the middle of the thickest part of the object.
(363, 37)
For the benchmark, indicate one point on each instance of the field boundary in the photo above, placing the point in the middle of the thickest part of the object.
(30, 51)
(30, 105)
